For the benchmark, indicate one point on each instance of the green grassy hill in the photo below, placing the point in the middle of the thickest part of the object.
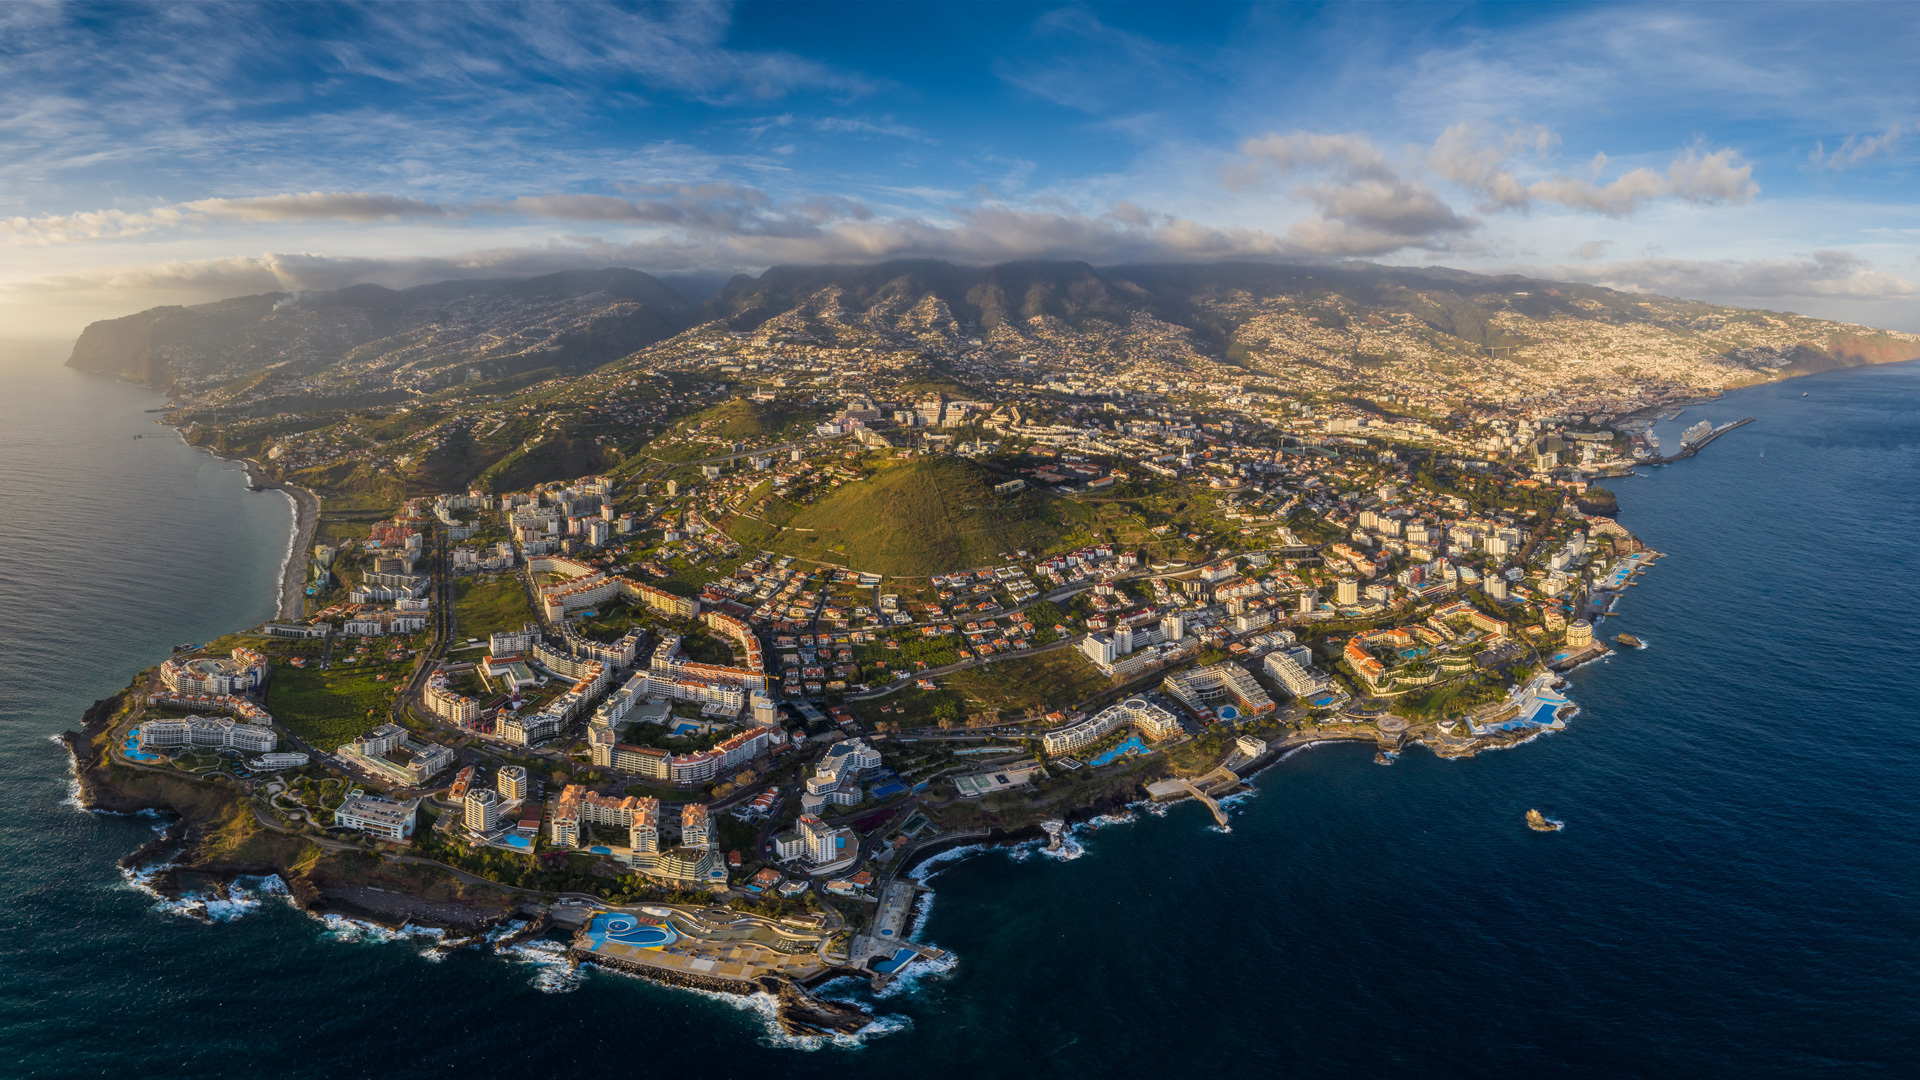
(919, 517)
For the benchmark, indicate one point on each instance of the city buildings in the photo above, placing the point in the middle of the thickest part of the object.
(204, 731)
(241, 672)
(481, 809)
(826, 849)
(1151, 720)
(836, 779)
(511, 781)
(1293, 668)
(383, 818)
(391, 754)
(1225, 690)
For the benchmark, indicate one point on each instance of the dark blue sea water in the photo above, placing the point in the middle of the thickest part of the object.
(1736, 894)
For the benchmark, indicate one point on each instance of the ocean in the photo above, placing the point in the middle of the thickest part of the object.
(1736, 892)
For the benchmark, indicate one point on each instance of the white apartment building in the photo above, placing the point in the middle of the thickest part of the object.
(482, 810)
(387, 820)
(214, 732)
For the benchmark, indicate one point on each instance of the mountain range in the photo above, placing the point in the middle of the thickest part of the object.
(1352, 321)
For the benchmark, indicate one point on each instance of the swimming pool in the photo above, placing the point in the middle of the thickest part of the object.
(133, 751)
(895, 962)
(1227, 712)
(598, 850)
(634, 931)
(1133, 745)
(517, 842)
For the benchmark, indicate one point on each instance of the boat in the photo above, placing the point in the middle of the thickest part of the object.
(1629, 641)
(1540, 822)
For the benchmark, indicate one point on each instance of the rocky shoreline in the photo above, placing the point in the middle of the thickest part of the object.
(320, 879)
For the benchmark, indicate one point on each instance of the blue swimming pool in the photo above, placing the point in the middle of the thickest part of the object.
(517, 842)
(1133, 745)
(133, 751)
(598, 850)
(1227, 712)
(683, 728)
(895, 962)
(632, 930)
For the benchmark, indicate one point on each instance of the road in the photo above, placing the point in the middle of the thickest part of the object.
(442, 628)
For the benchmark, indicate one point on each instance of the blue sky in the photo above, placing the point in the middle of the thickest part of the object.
(1750, 154)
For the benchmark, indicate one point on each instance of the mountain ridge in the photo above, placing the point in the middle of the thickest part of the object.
(1351, 321)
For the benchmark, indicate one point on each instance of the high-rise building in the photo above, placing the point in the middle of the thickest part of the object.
(643, 832)
(512, 783)
(696, 827)
(1347, 591)
(823, 843)
(482, 810)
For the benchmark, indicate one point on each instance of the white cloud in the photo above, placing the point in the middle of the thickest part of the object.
(1363, 206)
(990, 234)
(1823, 274)
(315, 206)
(1351, 157)
(1718, 177)
(1488, 169)
(1859, 148)
(112, 224)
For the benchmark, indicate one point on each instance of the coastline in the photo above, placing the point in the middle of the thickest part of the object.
(346, 891)
(290, 598)
(291, 602)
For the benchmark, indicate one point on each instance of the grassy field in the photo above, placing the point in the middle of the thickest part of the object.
(329, 708)
(920, 517)
(481, 608)
(741, 418)
(1052, 680)
(1061, 677)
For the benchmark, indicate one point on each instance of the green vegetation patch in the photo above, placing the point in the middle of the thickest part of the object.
(332, 708)
(1054, 680)
(925, 516)
(482, 607)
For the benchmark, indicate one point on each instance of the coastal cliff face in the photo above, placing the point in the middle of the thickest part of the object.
(215, 836)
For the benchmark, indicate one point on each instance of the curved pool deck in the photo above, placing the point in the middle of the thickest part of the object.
(634, 931)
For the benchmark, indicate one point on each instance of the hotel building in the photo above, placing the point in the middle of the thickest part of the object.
(208, 731)
(380, 817)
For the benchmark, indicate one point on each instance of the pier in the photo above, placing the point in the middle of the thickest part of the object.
(1694, 448)
(1173, 789)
